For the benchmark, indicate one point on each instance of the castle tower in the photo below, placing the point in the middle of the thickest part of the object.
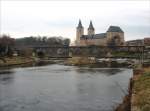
(91, 30)
(79, 32)
(115, 36)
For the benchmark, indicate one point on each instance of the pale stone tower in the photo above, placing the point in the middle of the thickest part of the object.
(79, 32)
(91, 30)
(115, 36)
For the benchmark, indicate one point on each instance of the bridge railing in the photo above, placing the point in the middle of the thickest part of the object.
(89, 50)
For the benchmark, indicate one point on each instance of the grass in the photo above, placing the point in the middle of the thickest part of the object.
(141, 90)
(125, 54)
(79, 61)
(15, 61)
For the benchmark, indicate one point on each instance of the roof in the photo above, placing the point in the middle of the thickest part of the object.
(96, 36)
(114, 29)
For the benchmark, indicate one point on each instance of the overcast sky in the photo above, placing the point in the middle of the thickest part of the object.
(60, 18)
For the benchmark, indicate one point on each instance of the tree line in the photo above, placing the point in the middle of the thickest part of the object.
(9, 44)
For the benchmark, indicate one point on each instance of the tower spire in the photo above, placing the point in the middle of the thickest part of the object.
(79, 32)
(91, 30)
(91, 25)
(80, 24)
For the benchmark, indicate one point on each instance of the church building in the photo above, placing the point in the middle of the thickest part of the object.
(113, 36)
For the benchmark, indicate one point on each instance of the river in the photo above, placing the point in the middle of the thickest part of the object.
(63, 88)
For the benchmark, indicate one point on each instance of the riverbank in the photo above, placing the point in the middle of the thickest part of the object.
(96, 62)
(74, 61)
(16, 61)
(138, 98)
(11, 62)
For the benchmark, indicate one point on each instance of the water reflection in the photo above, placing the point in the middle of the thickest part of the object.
(62, 88)
(105, 71)
(6, 76)
(6, 71)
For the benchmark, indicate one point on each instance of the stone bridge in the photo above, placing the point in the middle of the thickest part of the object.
(90, 51)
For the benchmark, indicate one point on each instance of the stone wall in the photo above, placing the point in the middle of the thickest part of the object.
(79, 33)
(99, 42)
(118, 37)
(111, 35)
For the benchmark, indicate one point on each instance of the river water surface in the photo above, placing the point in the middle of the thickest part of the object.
(63, 88)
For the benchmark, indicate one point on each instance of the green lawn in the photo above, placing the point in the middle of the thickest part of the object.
(126, 54)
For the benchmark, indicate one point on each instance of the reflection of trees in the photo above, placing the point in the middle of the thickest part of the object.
(85, 70)
(93, 70)
(6, 76)
(110, 72)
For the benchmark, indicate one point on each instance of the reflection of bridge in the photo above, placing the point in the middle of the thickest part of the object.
(94, 51)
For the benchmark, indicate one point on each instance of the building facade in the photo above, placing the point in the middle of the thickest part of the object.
(113, 36)
(147, 41)
(138, 42)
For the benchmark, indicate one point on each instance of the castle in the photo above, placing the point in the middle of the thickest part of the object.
(113, 36)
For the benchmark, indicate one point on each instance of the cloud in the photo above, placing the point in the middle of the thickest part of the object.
(24, 18)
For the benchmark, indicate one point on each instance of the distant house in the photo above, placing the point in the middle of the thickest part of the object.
(147, 41)
(138, 42)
